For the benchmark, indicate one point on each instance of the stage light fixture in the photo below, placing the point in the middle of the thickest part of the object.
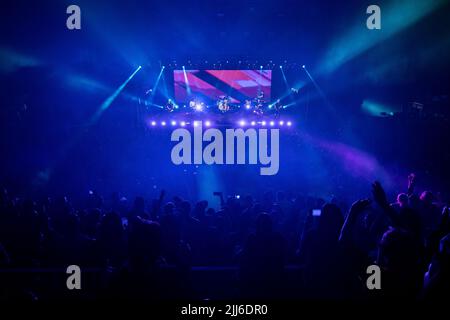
(281, 123)
(174, 123)
(303, 66)
(242, 123)
(263, 123)
(207, 123)
(272, 123)
(153, 123)
(289, 123)
(163, 123)
(196, 123)
(182, 123)
(253, 123)
(198, 107)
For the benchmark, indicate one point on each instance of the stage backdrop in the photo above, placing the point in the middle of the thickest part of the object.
(209, 85)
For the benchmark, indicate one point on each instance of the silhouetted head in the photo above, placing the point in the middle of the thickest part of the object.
(177, 201)
(95, 200)
(414, 201)
(185, 208)
(263, 224)
(200, 207)
(145, 241)
(257, 208)
(110, 225)
(427, 197)
(168, 209)
(402, 199)
(396, 250)
(247, 201)
(139, 204)
(444, 245)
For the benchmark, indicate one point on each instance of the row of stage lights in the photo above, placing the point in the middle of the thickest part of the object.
(234, 63)
(249, 66)
(207, 123)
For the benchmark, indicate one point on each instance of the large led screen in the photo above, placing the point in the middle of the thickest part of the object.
(210, 85)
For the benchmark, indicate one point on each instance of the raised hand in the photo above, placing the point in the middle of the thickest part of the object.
(445, 216)
(379, 195)
(359, 206)
(411, 183)
(347, 229)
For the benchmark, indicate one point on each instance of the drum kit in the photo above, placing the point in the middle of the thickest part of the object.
(255, 105)
(223, 104)
(197, 105)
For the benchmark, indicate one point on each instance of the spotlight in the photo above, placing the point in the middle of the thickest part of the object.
(182, 123)
(281, 123)
(163, 123)
(195, 123)
(303, 66)
(263, 123)
(174, 123)
(253, 123)
(242, 123)
(281, 67)
(207, 123)
(272, 123)
(260, 67)
(248, 106)
(183, 67)
(289, 123)
(153, 123)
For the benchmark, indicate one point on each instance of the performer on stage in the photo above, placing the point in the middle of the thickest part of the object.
(277, 107)
(170, 106)
(259, 103)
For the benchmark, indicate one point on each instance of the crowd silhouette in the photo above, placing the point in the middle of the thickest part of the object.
(267, 247)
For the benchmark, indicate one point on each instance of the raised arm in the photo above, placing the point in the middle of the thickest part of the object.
(357, 208)
(380, 198)
(411, 183)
